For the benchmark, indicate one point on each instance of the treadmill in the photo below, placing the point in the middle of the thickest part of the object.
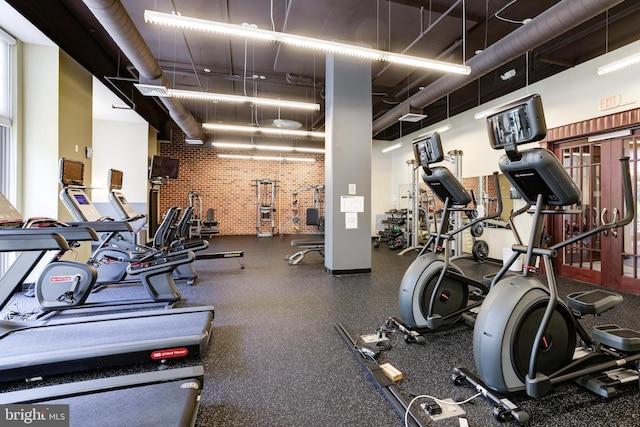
(54, 346)
(160, 398)
(154, 268)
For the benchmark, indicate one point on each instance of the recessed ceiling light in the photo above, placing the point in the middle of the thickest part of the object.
(206, 70)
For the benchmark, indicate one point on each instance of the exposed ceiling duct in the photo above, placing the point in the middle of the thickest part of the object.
(551, 23)
(116, 21)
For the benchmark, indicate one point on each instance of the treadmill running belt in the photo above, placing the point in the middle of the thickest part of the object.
(168, 397)
(167, 404)
(61, 348)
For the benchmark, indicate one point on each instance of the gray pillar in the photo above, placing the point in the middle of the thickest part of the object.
(348, 165)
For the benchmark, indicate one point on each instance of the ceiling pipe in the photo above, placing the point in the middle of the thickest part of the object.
(116, 21)
(551, 23)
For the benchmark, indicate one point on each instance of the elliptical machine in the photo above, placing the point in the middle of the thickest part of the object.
(434, 291)
(525, 337)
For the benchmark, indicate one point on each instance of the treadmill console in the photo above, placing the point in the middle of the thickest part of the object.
(79, 205)
(119, 202)
(9, 216)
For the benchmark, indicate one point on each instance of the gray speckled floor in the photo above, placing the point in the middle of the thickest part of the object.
(275, 358)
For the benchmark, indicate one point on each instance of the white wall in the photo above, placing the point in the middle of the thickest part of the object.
(122, 146)
(40, 121)
(381, 189)
(120, 141)
(571, 96)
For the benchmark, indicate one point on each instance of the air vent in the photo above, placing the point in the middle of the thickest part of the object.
(152, 90)
(412, 117)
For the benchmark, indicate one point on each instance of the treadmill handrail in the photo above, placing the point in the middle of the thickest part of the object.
(103, 226)
(18, 240)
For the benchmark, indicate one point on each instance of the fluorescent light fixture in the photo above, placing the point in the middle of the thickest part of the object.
(443, 128)
(439, 130)
(270, 158)
(392, 147)
(617, 65)
(262, 130)
(497, 108)
(194, 142)
(251, 31)
(610, 135)
(242, 146)
(162, 91)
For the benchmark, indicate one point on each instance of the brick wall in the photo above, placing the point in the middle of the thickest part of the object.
(226, 186)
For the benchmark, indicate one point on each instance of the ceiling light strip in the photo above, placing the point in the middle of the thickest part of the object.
(617, 65)
(392, 147)
(267, 158)
(221, 97)
(251, 31)
(266, 131)
(264, 147)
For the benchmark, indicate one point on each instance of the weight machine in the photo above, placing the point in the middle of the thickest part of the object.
(266, 205)
(201, 226)
(414, 231)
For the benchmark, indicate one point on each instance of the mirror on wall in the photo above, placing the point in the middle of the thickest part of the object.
(486, 195)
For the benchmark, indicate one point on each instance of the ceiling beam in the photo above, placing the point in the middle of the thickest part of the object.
(437, 8)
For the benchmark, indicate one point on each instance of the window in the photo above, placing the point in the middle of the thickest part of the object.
(8, 158)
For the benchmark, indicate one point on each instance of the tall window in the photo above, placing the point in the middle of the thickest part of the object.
(8, 159)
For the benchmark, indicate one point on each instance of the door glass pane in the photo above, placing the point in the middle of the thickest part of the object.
(630, 234)
(582, 162)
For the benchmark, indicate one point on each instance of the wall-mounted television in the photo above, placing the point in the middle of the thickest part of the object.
(71, 172)
(115, 179)
(519, 122)
(163, 167)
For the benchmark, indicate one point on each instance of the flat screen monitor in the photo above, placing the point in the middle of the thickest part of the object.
(517, 123)
(427, 149)
(71, 172)
(163, 167)
(115, 179)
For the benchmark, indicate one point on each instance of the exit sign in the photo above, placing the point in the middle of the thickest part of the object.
(613, 101)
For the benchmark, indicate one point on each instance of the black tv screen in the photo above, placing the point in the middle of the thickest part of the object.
(71, 172)
(163, 167)
(519, 122)
(115, 179)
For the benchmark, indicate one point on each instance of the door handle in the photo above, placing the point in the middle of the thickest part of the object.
(595, 218)
(603, 220)
(614, 232)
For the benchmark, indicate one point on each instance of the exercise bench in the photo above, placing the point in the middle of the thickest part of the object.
(311, 245)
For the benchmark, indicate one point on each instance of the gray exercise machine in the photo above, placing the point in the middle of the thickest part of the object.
(434, 291)
(112, 257)
(266, 206)
(525, 337)
(56, 345)
(168, 397)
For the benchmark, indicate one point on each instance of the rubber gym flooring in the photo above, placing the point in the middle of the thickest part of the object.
(275, 358)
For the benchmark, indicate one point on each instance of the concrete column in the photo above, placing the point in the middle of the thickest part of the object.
(348, 165)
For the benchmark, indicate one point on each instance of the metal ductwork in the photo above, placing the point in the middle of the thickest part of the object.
(114, 18)
(551, 23)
